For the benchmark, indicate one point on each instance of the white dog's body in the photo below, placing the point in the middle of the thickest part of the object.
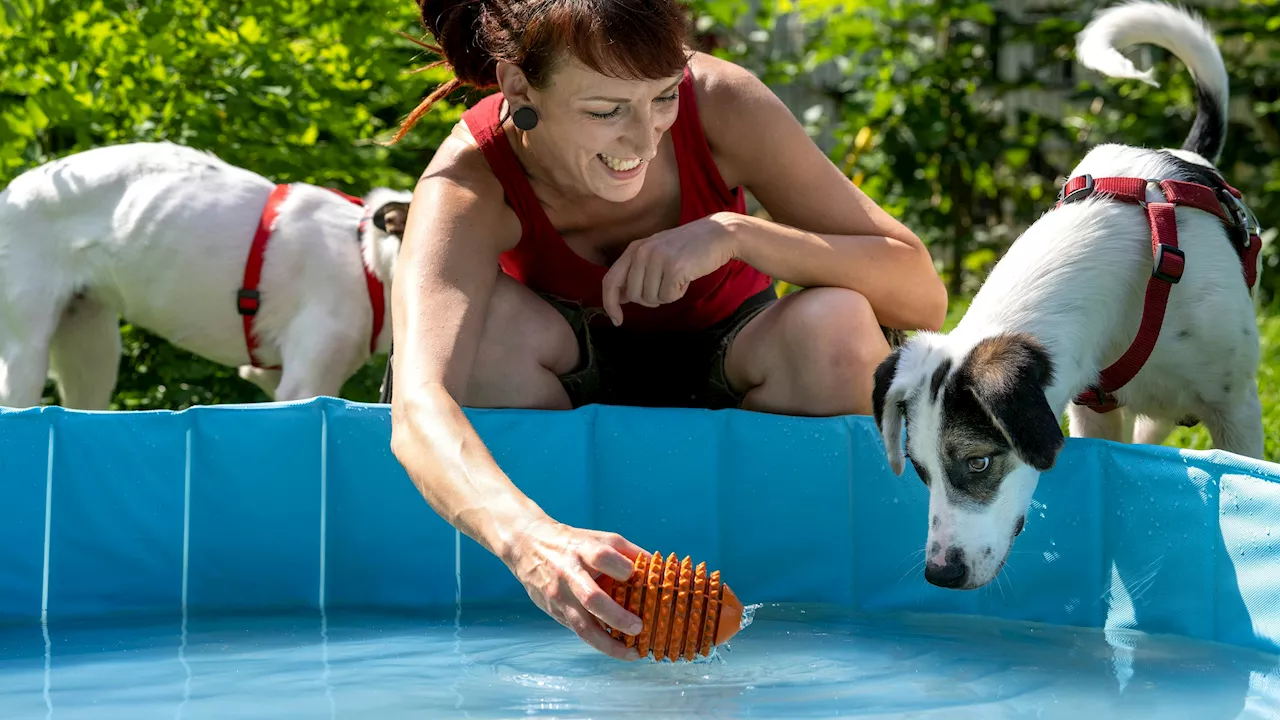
(160, 234)
(983, 403)
(1077, 281)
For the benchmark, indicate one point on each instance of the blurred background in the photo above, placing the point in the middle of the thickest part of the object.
(960, 117)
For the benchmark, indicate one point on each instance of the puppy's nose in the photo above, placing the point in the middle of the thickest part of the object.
(951, 574)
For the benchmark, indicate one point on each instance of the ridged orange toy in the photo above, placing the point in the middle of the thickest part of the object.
(685, 611)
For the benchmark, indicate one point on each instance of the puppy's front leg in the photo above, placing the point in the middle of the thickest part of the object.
(268, 380)
(1149, 430)
(1085, 423)
(318, 363)
(308, 379)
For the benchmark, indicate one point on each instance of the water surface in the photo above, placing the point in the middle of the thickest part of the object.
(793, 661)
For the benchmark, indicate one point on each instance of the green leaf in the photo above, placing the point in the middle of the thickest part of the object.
(250, 30)
(37, 117)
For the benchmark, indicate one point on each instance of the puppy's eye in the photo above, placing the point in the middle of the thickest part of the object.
(979, 464)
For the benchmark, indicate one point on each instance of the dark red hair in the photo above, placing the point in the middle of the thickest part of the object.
(629, 39)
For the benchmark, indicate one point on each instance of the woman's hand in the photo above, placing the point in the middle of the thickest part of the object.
(657, 270)
(558, 564)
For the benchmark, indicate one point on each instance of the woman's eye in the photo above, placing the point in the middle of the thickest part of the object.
(979, 464)
(605, 116)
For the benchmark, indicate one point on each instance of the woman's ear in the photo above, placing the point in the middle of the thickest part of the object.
(514, 85)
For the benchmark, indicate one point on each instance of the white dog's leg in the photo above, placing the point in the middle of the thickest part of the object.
(25, 333)
(268, 380)
(311, 376)
(1085, 423)
(1236, 426)
(1148, 430)
(84, 355)
(318, 355)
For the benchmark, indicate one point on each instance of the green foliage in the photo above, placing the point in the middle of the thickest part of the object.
(297, 91)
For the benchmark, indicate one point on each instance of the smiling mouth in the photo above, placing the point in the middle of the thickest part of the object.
(618, 164)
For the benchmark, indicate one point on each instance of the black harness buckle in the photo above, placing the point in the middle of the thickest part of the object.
(248, 301)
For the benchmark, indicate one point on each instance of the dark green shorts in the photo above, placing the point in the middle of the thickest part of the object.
(619, 366)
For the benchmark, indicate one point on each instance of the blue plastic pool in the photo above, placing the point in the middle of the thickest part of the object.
(274, 561)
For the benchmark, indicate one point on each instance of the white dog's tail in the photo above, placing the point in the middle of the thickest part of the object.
(1182, 33)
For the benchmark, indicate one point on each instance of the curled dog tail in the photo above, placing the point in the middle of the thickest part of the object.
(1182, 33)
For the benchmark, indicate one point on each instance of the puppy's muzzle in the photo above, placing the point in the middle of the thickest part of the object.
(952, 573)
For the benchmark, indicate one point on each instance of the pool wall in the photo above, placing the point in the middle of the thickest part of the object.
(292, 506)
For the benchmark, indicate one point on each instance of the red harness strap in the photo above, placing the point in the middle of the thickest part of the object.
(248, 298)
(1168, 260)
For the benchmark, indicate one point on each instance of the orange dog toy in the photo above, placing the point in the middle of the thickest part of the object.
(685, 611)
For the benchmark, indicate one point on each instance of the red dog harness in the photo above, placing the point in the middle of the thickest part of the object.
(1169, 260)
(248, 298)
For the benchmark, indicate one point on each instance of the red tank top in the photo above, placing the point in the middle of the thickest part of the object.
(544, 263)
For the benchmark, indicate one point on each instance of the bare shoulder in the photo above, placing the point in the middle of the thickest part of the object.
(722, 86)
(463, 200)
(737, 111)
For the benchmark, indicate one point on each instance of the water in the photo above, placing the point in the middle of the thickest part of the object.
(794, 661)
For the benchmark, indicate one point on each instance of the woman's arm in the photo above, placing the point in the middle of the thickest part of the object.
(447, 268)
(825, 231)
(445, 275)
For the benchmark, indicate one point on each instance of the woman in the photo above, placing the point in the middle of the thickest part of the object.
(581, 237)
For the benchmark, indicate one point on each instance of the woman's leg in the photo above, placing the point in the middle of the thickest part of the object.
(525, 347)
(812, 352)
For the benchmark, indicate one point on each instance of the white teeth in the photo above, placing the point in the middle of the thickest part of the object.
(620, 165)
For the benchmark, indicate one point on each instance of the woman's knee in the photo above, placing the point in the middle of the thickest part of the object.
(822, 353)
(836, 335)
(525, 345)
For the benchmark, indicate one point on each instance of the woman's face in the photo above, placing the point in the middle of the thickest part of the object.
(600, 133)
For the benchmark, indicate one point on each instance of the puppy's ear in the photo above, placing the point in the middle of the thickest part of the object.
(1007, 375)
(888, 411)
(391, 218)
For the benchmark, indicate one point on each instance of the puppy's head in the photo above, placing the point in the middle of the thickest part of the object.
(979, 432)
(387, 212)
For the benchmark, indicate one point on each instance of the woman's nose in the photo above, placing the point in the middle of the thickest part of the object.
(642, 135)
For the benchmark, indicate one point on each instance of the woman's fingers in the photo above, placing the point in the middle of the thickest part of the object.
(596, 601)
(637, 276)
(605, 558)
(672, 289)
(628, 549)
(655, 277)
(614, 285)
(595, 636)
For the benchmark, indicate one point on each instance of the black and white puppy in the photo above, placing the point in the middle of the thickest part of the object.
(160, 234)
(982, 404)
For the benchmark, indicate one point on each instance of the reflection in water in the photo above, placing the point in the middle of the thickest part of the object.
(324, 658)
(460, 655)
(1118, 632)
(793, 661)
(186, 667)
(48, 666)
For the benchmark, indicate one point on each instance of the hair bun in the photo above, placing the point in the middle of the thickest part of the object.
(456, 27)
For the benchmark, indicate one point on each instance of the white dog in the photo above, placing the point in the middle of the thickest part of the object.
(161, 234)
(982, 404)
